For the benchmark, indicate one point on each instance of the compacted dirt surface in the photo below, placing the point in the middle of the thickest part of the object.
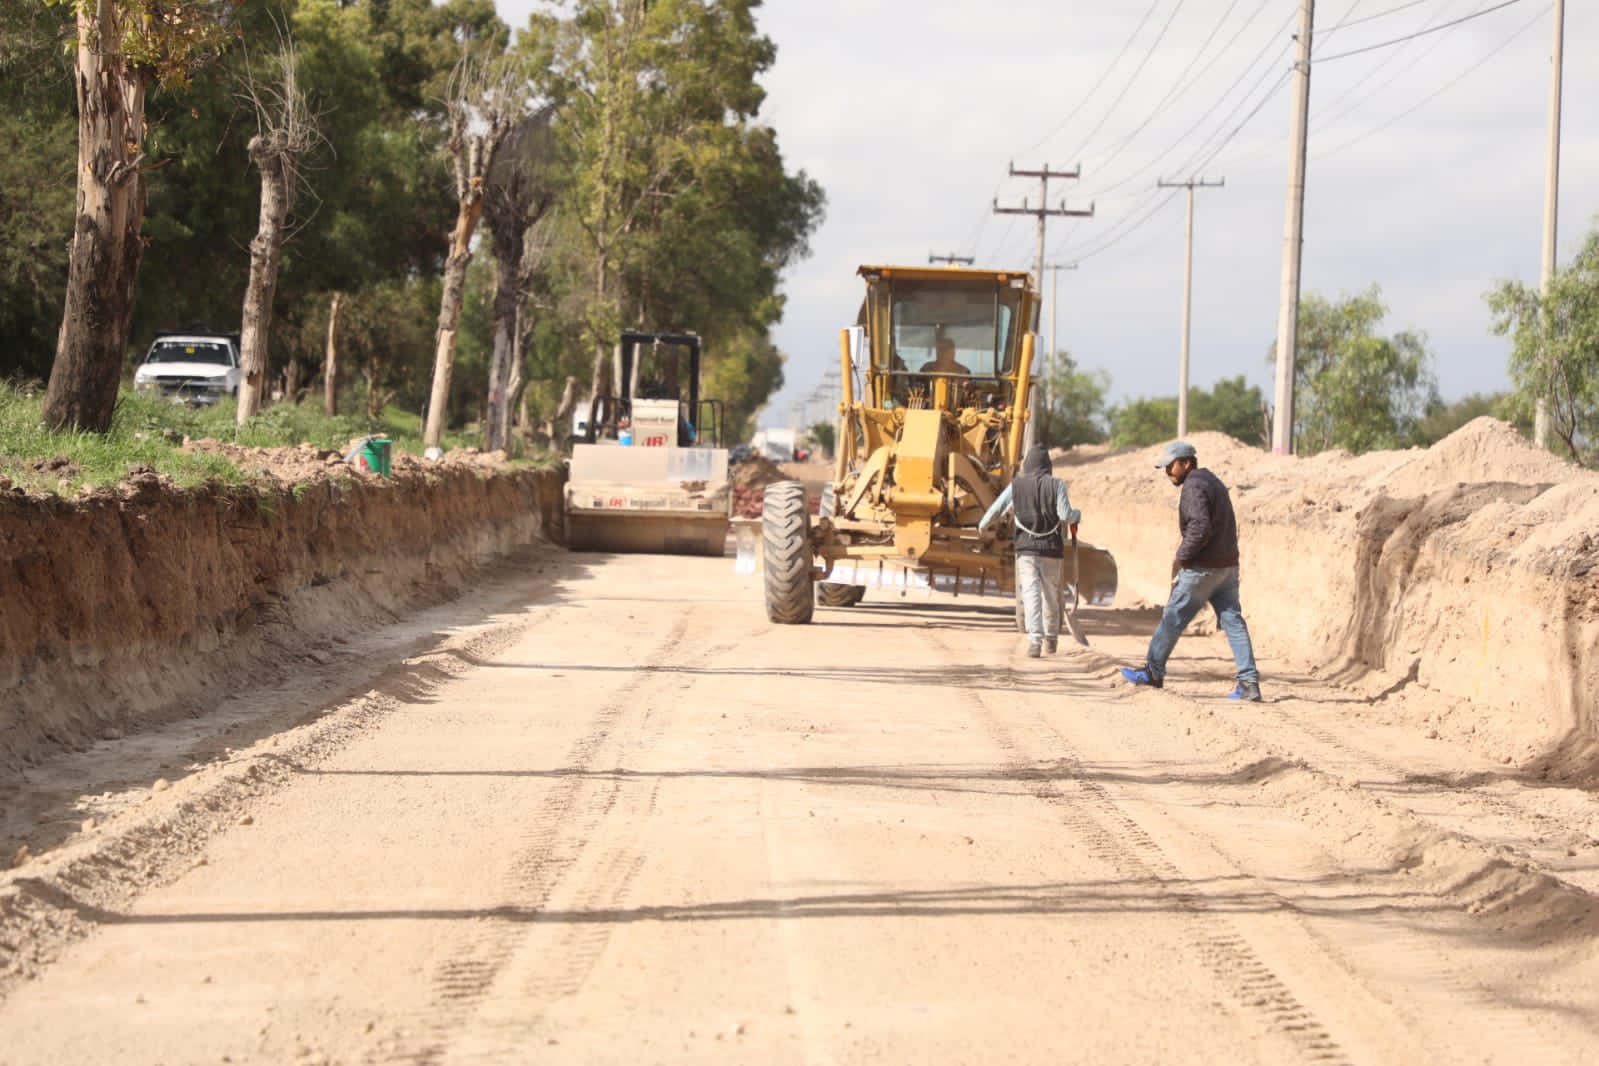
(600, 810)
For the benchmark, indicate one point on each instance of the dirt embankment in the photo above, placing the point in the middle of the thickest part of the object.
(129, 607)
(1470, 569)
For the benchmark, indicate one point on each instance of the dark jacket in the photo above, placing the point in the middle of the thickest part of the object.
(1034, 496)
(1205, 516)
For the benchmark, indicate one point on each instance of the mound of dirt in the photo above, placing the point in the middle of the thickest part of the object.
(1459, 581)
(750, 479)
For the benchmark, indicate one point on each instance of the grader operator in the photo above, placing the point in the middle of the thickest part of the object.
(937, 390)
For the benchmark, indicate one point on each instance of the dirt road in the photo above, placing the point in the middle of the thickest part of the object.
(606, 813)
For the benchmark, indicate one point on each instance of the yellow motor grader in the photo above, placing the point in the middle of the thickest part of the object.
(937, 389)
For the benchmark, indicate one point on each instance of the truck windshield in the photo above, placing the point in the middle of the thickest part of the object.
(977, 319)
(190, 353)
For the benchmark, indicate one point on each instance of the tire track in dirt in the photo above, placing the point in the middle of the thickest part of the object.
(578, 857)
(1114, 837)
(63, 897)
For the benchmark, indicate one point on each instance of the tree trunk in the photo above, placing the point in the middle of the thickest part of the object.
(559, 426)
(265, 250)
(502, 365)
(449, 318)
(105, 249)
(330, 361)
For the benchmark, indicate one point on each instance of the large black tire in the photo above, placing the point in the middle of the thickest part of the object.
(786, 554)
(833, 594)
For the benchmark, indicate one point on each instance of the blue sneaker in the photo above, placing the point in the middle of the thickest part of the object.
(1141, 676)
(1248, 691)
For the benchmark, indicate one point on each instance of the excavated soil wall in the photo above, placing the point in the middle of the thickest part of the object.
(127, 608)
(1471, 568)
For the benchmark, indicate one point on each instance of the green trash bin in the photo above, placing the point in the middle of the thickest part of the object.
(373, 454)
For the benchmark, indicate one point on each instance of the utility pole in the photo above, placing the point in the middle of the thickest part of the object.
(1049, 361)
(1551, 199)
(1188, 291)
(1043, 211)
(951, 258)
(1282, 425)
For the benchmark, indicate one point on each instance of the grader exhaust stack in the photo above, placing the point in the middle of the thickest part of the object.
(937, 392)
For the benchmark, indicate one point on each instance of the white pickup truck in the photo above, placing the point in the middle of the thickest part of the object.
(191, 367)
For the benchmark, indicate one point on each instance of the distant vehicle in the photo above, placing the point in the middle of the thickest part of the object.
(195, 367)
(776, 444)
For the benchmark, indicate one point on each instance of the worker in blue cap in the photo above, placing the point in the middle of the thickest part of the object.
(1206, 572)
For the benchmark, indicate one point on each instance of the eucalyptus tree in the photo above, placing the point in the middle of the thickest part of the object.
(488, 95)
(1355, 389)
(684, 210)
(286, 134)
(124, 47)
(521, 190)
(1554, 354)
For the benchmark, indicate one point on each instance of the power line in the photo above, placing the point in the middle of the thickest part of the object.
(1419, 33)
(1043, 212)
(1347, 21)
(1176, 84)
(1148, 55)
(1445, 87)
(1101, 80)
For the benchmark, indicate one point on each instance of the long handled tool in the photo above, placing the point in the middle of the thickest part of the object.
(1071, 616)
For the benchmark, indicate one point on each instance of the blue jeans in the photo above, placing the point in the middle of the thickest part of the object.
(1189, 593)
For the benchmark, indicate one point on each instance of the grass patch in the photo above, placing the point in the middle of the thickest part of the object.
(148, 431)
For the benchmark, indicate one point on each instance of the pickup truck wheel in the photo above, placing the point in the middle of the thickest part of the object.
(786, 554)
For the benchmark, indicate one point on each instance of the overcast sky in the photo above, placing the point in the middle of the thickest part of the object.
(1426, 165)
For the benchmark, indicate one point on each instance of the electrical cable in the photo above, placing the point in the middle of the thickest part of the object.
(1148, 55)
(1419, 33)
(1175, 86)
(1500, 47)
(1101, 80)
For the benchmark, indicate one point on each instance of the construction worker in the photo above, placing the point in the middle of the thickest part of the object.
(1206, 572)
(1041, 507)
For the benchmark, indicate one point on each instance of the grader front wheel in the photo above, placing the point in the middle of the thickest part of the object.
(833, 594)
(786, 554)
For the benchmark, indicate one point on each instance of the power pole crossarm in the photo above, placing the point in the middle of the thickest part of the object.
(1188, 290)
(1043, 212)
(951, 258)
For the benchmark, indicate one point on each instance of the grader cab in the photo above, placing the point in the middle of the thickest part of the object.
(937, 388)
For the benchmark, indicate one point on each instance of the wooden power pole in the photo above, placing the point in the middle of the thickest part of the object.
(1043, 212)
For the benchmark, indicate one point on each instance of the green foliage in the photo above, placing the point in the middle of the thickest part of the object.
(1443, 419)
(678, 211)
(1075, 411)
(38, 160)
(1353, 389)
(824, 435)
(1554, 354)
(1231, 407)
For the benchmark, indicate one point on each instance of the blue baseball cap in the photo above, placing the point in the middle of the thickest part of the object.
(1177, 449)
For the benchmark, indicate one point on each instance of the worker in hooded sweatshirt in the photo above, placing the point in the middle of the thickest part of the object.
(1041, 508)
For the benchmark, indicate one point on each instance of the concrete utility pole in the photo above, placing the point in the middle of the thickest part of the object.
(1043, 211)
(1551, 198)
(1054, 303)
(1282, 423)
(1188, 291)
(951, 258)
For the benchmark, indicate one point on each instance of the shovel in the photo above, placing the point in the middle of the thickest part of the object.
(1071, 616)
